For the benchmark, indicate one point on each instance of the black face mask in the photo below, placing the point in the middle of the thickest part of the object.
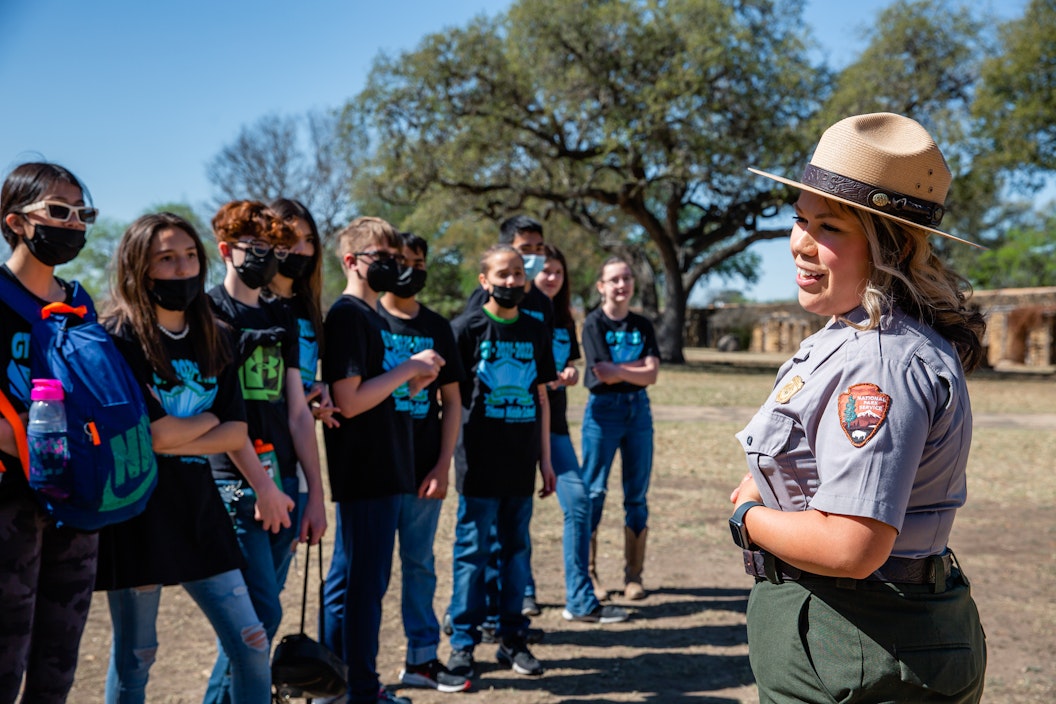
(52, 245)
(174, 294)
(410, 282)
(294, 266)
(383, 275)
(508, 296)
(257, 272)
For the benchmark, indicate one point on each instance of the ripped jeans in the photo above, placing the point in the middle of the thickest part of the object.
(225, 601)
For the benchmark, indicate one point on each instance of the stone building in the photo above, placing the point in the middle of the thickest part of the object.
(1021, 327)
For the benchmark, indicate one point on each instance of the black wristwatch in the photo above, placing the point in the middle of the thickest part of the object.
(737, 527)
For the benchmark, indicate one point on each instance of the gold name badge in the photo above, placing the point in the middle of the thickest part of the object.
(790, 389)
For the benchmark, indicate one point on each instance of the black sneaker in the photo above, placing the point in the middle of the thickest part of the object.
(600, 614)
(460, 664)
(487, 633)
(435, 675)
(529, 607)
(515, 654)
(387, 697)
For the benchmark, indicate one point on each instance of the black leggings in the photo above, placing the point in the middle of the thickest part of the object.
(46, 579)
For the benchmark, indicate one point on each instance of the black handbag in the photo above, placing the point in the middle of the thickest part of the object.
(302, 667)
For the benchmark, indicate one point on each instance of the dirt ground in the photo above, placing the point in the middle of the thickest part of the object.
(686, 642)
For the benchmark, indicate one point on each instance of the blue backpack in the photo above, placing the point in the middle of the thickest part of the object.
(112, 469)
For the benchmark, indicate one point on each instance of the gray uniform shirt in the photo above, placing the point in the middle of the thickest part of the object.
(872, 423)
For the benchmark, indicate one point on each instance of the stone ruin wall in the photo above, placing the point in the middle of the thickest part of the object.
(1021, 326)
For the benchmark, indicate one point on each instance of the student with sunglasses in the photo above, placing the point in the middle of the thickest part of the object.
(44, 219)
(252, 241)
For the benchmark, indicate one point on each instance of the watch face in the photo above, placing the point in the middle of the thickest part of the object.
(739, 537)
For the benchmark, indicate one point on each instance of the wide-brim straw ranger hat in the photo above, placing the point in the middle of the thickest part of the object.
(885, 163)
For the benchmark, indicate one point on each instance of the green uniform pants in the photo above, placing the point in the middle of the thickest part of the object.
(814, 641)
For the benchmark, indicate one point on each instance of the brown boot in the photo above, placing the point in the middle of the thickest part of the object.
(634, 554)
(600, 592)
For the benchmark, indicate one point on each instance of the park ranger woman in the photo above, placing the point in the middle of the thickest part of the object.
(857, 459)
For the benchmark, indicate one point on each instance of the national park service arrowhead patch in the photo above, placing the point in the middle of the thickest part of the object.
(863, 409)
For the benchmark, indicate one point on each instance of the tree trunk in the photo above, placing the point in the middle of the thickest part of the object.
(670, 330)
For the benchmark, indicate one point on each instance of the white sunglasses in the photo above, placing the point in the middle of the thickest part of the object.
(62, 212)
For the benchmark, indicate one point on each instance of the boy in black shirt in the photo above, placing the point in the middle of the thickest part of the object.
(370, 454)
(414, 327)
(509, 361)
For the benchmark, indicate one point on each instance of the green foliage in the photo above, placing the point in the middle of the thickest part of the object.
(923, 60)
(1016, 102)
(1024, 259)
(631, 119)
(444, 290)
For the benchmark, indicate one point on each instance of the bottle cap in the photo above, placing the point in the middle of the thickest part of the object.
(47, 390)
(261, 446)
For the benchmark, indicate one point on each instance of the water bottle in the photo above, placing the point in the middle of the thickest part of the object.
(269, 460)
(49, 451)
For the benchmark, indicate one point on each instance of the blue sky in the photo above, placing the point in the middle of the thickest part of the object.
(135, 97)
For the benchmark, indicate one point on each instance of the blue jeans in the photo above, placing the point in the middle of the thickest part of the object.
(492, 573)
(355, 586)
(224, 600)
(300, 501)
(265, 552)
(622, 421)
(417, 528)
(575, 502)
(476, 516)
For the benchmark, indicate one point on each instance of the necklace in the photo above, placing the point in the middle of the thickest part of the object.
(175, 335)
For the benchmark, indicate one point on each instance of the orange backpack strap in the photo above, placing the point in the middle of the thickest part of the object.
(12, 417)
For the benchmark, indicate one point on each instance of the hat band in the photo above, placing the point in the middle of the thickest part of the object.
(921, 212)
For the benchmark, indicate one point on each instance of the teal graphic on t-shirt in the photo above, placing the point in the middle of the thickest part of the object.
(18, 374)
(309, 351)
(562, 347)
(508, 370)
(624, 345)
(398, 349)
(537, 314)
(193, 395)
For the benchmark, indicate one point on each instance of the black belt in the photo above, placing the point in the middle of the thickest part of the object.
(933, 570)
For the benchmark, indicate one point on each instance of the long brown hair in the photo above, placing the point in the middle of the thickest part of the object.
(309, 288)
(907, 273)
(133, 310)
(563, 297)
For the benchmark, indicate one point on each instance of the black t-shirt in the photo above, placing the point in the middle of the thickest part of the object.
(14, 366)
(308, 341)
(566, 349)
(184, 534)
(267, 347)
(427, 330)
(369, 455)
(536, 304)
(608, 340)
(498, 446)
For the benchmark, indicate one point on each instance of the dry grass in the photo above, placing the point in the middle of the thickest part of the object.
(686, 643)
